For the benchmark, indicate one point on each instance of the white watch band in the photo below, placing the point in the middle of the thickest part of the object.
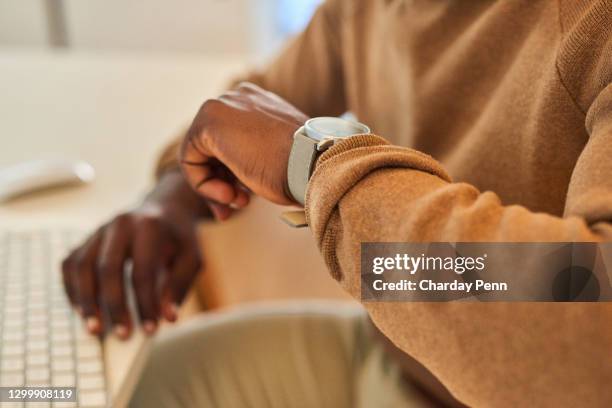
(309, 141)
(302, 159)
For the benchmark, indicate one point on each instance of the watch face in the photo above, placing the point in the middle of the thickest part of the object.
(333, 128)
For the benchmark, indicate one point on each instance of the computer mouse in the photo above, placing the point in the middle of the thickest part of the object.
(30, 176)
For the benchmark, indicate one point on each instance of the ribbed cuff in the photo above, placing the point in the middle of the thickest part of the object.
(342, 167)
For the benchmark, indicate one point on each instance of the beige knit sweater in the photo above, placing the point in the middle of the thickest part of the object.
(512, 103)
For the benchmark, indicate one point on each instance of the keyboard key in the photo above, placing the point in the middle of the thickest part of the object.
(36, 319)
(38, 332)
(11, 404)
(91, 382)
(63, 324)
(37, 382)
(12, 349)
(14, 297)
(42, 339)
(34, 346)
(38, 374)
(13, 324)
(64, 351)
(11, 364)
(62, 364)
(12, 380)
(16, 310)
(37, 305)
(37, 359)
(88, 350)
(13, 286)
(64, 404)
(60, 314)
(64, 380)
(11, 336)
(38, 404)
(89, 366)
(85, 339)
(92, 399)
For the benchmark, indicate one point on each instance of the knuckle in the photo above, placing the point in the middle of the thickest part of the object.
(66, 266)
(149, 222)
(210, 106)
(108, 265)
(122, 220)
(80, 264)
(142, 279)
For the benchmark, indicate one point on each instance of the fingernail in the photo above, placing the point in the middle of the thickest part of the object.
(93, 325)
(149, 326)
(172, 311)
(234, 206)
(121, 331)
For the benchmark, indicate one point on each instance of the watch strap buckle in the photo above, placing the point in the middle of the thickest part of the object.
(295, 219)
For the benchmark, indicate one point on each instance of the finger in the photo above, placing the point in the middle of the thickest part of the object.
(169, 309)
(168, 306)
(69, 268)
(67, 272)
(114, 250)
(183, 271)
(211, 180)
(221, 212)
(202, 180)
(218, 190)
(147, 262)
(206, 175)
(191, 151)
(241, 199)
(85, 288)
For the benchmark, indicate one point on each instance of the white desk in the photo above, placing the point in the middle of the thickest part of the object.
(117, 112)
(114, 111)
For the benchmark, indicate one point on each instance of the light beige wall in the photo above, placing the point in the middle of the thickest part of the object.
(23, 23)
(187, 26)
(203, 26)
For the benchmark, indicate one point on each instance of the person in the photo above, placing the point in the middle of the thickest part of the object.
(490, 121)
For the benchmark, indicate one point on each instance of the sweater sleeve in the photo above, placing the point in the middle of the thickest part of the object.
(493, 354)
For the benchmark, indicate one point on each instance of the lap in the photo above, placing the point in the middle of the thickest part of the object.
(297, 355)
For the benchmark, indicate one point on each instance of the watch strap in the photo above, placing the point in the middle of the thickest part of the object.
(295, 219)
(302, 160)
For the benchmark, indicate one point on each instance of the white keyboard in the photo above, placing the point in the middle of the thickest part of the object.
(42, 341)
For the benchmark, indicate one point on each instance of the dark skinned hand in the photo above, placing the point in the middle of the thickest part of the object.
(159, 239)
(241, 139)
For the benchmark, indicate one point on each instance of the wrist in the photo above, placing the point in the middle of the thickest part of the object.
(175, 197)
(309, 143)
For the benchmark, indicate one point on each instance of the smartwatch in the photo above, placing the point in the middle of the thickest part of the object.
(309, 142)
